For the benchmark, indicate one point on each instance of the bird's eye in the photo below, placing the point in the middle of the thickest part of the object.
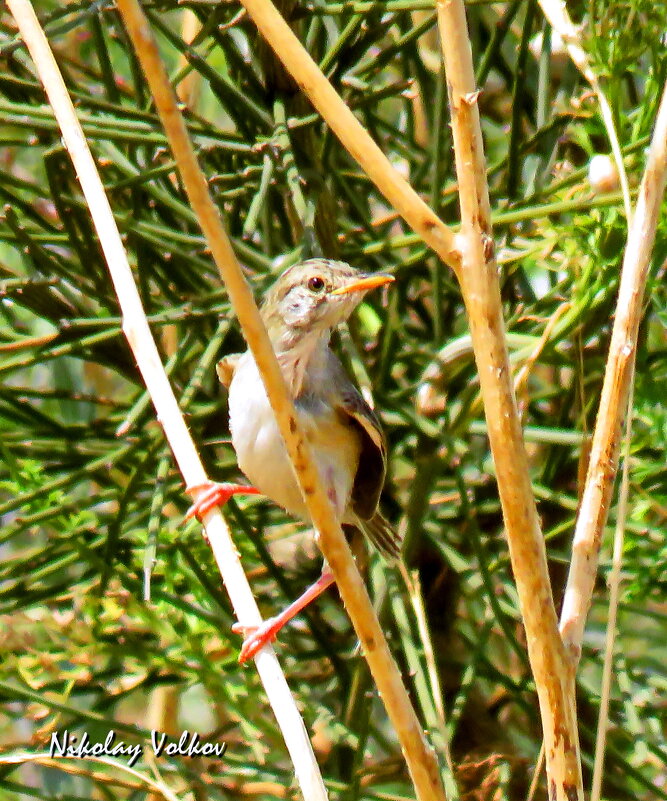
(315, 284)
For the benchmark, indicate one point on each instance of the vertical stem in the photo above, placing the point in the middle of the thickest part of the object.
(349, 130)
(597, 495)
(137, 331)
(419, 756)
(614, 591)
(479, 282)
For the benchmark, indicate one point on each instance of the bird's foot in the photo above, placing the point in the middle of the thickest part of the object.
(213, 493)
(256, 637)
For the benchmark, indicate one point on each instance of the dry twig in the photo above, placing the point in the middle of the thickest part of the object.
(420, 759)
(135, 327)
(614, 585)
(481, 292)
(558, 17)
(597, 494)
(351, 133)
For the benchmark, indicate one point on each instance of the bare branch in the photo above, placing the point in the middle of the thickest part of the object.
(558, 17)
(420, 759)
(602, 466)
(135, 327)
(351, 133)
(614, 598)
(479, 282)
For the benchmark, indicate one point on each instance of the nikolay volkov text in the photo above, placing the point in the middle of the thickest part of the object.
(188, 745)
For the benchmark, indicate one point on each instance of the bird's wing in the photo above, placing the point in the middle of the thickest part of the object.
(369, 479)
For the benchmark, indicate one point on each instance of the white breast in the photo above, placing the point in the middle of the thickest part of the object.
(261, 452)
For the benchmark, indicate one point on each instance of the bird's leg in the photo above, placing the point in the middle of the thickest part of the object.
(258, 636)
(213, 493)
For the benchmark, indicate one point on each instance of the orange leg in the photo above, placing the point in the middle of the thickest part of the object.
(212, 494)
(259, 636)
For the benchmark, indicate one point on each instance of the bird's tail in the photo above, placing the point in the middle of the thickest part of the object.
(382, 535)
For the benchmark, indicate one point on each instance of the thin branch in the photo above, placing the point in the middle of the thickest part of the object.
(420, 759)
(599, 485)
(614, 594)
(479, 282)
(413, 586)
(135, 327)
(558, 17)
(351, 133)
(49, 761)
(537, 772)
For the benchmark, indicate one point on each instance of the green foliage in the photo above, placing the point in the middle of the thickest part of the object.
(92, 504)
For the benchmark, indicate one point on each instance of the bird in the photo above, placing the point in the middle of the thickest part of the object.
(300, 311)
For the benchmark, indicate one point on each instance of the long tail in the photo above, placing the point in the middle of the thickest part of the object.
(382, 535)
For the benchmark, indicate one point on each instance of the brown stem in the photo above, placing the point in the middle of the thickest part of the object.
(558, 17)
(135, 328)
(351, 133)
(420, 759)
(479, 282)
(602, 466)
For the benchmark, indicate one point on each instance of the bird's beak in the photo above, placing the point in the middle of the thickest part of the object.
(364, 283)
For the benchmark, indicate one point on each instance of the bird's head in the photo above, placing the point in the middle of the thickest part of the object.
(313, 297)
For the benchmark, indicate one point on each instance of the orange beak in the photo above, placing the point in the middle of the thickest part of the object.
(365, 283)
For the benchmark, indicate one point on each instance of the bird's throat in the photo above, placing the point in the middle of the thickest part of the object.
(302, 355)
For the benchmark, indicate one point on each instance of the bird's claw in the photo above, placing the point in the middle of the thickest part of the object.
(256, 637)
(211, 494)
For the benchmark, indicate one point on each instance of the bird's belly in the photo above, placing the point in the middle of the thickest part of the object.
(262, 455)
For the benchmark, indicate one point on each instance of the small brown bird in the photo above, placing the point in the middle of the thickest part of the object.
(300, 311)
